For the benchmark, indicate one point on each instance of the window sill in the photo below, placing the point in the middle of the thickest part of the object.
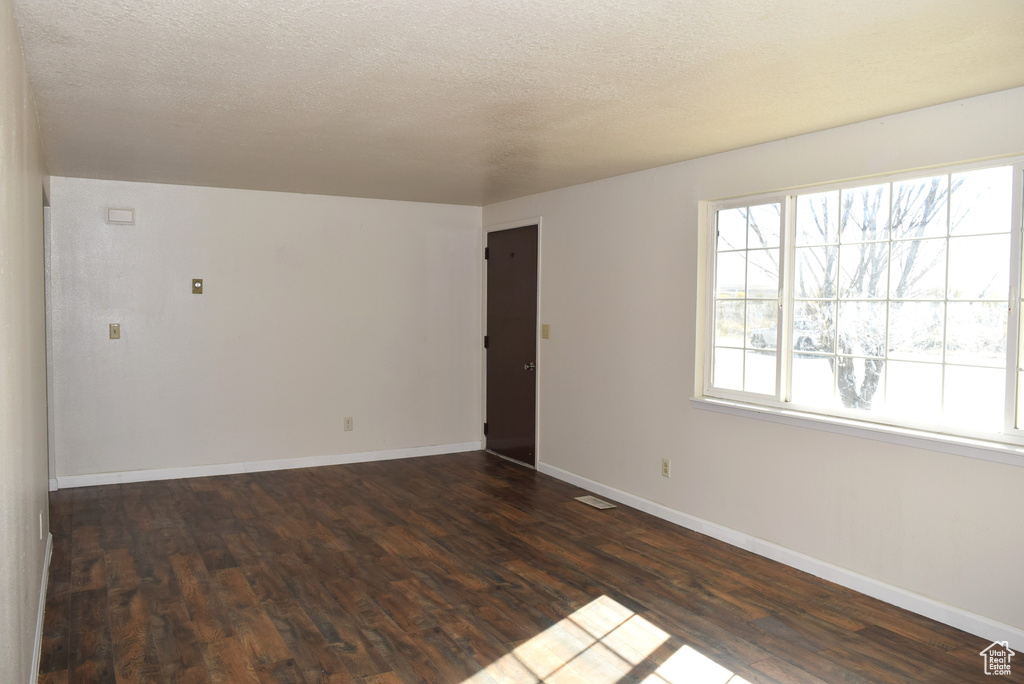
(998, 452)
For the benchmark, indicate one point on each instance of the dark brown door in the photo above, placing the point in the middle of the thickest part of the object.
(512, 343)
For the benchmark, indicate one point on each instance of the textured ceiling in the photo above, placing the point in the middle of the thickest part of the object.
(472, 102)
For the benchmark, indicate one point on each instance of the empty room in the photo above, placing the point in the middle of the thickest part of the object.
(482, 342)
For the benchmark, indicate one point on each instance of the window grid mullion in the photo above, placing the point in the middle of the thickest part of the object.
(840, 246)
(1013, 314)
(787, 256)
(945, 295)
(888, 302)
(747, 294)
(711, 300)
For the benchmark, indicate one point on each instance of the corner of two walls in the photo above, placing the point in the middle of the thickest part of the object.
(620, 290)
(23, 439)
(313, 309)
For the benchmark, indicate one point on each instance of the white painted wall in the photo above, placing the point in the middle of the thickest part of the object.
(315, 308)
(23, 461)
(620, 293)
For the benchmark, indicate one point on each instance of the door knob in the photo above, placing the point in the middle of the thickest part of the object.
(530, 366)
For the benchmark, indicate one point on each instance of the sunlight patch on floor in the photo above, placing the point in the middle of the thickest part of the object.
(601, 643)
(692, 667)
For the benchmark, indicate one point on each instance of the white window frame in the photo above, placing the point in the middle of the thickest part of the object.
(779, 405)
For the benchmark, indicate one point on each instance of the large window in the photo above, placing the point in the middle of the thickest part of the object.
(893, 302)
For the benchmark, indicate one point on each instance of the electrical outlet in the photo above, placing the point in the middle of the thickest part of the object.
(666, 467)
(348, 424)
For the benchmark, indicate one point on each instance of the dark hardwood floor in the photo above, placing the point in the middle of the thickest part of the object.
(444, 569)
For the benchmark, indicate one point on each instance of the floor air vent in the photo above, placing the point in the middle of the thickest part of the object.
(595, 502)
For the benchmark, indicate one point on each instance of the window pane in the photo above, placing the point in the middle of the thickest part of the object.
(817, 218)
(763, 273)
(762, 323)
(915, 330)
(765, 226)
(747, 298)
(981, 201)
(862, 328)
(863, 271)
(858, 381)
(816, 272)
(918, 269)
(919, 207)
(732, 229)
(730, 273)
(814, 326)
(974, 398)
(979, 267)
(864, 213)
(1020, 338)
(913, 391)
(813, 380)
(1020, 401)
(760, 372)
(728, 368)
(729, 317)
(976, 333)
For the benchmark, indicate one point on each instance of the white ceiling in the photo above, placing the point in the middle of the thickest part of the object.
(473, 102)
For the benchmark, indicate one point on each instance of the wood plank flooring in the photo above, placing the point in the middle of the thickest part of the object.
(443, 569)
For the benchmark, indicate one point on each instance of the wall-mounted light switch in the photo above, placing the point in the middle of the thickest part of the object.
(197, 286)
(545, 331)
(115, 331)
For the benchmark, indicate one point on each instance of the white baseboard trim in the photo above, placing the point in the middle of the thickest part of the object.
(922, 605)
(70, 481)
(37, 652)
